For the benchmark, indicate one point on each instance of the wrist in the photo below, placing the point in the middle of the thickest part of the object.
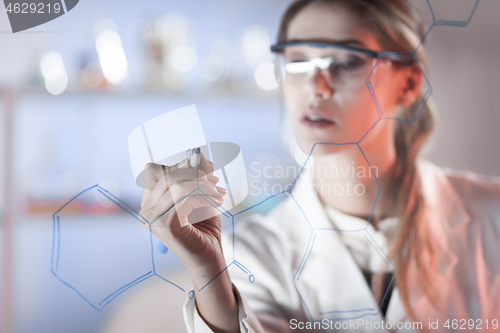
(208, 265)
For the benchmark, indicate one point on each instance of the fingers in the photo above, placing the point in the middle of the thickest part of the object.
(162, 201)
(180, 172)
(158, 191)
(188, 205)
(180, 190)
(172, 174)
(183, 207)
(205, 165)
(182, 175)
(151, 175)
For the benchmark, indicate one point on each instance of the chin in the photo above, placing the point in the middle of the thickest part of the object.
(321, 149)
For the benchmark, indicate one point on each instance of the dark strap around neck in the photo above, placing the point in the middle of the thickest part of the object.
(387, 288)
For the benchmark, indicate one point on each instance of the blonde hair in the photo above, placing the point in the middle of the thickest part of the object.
(399, 28)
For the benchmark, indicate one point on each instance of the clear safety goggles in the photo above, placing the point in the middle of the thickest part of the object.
(345, 67)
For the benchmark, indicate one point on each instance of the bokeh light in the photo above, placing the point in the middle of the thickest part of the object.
(211, 68)
(264, 76)
(256, 45)
(54, 73)
(183, 59)
(111, 56)
(92, 75)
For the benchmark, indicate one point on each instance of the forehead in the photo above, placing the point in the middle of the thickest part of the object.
(331, 22)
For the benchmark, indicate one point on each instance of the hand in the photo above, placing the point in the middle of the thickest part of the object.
(197, 245)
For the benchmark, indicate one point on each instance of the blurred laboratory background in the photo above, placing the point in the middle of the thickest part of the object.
(72, 90)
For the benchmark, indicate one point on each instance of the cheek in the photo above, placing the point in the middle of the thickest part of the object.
(358, 106)
(291, 94)
(387, 97)
(294, 100)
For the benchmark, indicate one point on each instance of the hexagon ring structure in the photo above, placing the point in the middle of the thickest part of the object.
(419, 104)
(88, 250)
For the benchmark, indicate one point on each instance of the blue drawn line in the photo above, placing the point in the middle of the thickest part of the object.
(377, 105)
(387, 291)
(369, 130)
(147, 143)
(305, 262)
(216, 276)
(147, 277)
(344, 311)
(432, 11)
(207, 198)
(310, 225)
(272, 196)
(303, 257)
(161, 277)
(152, 250)
(58, 242)
(309, 156)
(302, 168)
(174, 205)
(341, 230)
(303, 302)
(53, 241)
(118, 204)
(376, 249)
(416, 113)
(383, 255)
(461, 24)
(76, 291)
(241, 267)
(232, 222)
(124, 203)
(425, 98)
(198, 174)
(76, 196)
(128, 284)
(426, 34)
(121, 204)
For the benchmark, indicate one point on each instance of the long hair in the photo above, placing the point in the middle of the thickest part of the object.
(398, 27)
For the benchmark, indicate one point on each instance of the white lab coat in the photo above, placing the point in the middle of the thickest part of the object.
(463, 213)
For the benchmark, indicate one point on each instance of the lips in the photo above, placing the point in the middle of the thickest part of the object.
(317, 118)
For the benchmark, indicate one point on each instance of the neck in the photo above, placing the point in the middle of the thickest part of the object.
(345, 181)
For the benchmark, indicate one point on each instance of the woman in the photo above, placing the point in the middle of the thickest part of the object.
(439, 227)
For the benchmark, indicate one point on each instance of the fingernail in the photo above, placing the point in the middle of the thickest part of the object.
(213, 179)
(221, 190)
(183, 222)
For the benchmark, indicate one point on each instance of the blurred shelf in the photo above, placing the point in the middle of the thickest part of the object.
(239, 92)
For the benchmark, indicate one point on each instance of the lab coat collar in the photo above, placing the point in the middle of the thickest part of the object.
(442, 201)
(445, 214)
(441, 198)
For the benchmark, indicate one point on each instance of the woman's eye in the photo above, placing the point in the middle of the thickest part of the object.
(351, 65)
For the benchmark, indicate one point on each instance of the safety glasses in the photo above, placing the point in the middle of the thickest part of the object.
(345, 67)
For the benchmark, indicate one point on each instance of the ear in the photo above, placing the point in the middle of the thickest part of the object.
(411, 80)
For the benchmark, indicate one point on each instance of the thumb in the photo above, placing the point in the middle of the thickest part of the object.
(205, 165)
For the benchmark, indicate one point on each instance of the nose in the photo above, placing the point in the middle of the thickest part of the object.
(319, 84)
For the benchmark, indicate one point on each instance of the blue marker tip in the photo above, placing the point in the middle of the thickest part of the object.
(162, 248)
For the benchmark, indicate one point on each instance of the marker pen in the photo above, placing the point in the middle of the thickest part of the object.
(194, 160)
